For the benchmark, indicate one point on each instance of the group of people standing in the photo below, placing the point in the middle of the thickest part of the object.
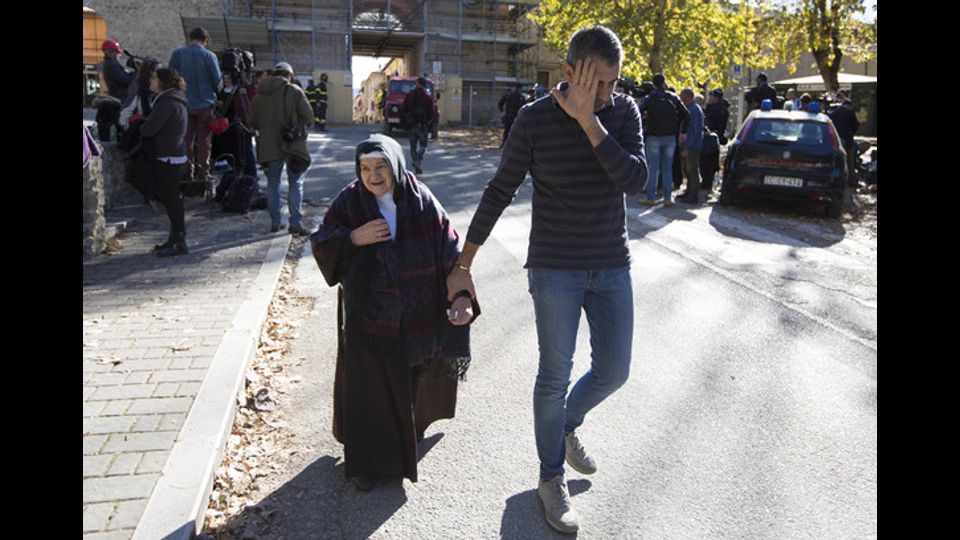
(169, 110)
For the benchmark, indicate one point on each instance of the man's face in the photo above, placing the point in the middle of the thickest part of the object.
(376, 175)
(712, 99)
(687, 99)
(607, 75)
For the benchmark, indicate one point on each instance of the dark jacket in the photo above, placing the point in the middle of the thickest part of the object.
(513, 101)
(845, 120)
(757, 94)
(716, 117)
(666, 114)
(117, 78)
(419, 104)
(167, 124)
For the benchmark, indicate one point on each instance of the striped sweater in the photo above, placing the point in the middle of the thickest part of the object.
(579, 210)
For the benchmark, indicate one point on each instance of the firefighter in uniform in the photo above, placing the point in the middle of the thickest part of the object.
(320, 109)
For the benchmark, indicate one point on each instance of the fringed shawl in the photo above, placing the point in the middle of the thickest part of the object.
(395, 289)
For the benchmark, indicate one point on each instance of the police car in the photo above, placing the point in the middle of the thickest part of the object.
(792, 156)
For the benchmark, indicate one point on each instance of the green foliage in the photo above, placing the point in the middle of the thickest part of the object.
(696, 43)
(692, 42)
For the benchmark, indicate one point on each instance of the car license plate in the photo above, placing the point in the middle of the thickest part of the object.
(783, 181)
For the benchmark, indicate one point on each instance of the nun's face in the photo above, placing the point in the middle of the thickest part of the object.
(377, 175)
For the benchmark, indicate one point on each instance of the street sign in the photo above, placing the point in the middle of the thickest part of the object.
(437, 68)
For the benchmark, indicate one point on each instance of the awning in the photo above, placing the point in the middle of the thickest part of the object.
(815, 83)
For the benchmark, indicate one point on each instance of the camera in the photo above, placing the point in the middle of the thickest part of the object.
(134, 61)
(629, 86)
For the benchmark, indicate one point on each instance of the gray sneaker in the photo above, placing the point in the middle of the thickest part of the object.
(556, 505)
(577, 456)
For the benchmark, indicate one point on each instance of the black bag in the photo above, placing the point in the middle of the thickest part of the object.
(662, 112)
(239, 192)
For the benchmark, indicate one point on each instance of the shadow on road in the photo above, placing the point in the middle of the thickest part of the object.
(523, 517)
(320, 503)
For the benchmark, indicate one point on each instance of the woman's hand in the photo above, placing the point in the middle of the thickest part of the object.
(460, 312)
(372, 232)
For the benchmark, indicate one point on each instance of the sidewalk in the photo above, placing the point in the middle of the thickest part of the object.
(166, 346)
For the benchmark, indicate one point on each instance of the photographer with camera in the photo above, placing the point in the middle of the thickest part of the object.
(117, 77)
(282, 114)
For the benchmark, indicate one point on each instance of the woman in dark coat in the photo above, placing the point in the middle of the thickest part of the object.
(166, 130)
(389, 244)
(234, 103)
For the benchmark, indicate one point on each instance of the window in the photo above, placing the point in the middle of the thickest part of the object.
(784, 132)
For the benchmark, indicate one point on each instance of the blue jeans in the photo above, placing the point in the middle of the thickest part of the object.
(606, 296)
(660, 158)
(294, 193)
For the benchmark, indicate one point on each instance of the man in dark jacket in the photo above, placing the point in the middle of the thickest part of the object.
(716, 116)
(762, 91)
(118, 79)
(512, 100)
(418, 106)
(845, 120)
(667, 118)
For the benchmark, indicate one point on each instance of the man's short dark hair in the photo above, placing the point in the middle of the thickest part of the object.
(597, 41)
(199, 34)
(422, 82)
(762, 76)
(659, 81)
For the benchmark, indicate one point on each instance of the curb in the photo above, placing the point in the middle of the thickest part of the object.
(177, 506)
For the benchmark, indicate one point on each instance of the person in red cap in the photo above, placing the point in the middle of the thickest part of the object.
(118, 79)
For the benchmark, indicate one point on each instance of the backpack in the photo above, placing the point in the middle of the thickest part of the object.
(238, 192)
(662, 113)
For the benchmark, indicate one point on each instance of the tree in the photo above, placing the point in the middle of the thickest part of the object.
(828, 29)
(692, 42)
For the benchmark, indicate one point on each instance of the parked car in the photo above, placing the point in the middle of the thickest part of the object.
(791, 156)
(396, 92)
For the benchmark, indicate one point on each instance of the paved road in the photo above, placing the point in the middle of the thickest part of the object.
(751, 411)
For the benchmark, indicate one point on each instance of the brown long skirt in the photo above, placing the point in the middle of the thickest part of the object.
(381, 407)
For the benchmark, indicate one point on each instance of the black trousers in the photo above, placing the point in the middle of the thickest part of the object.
(168, 192)
(709, 165)
(507, 124)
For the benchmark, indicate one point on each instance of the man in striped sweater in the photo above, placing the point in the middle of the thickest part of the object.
(583, 146)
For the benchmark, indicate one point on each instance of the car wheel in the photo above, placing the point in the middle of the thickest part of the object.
(835, 209)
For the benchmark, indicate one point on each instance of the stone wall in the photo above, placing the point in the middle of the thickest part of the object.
(112, 167)
(151, 28)
(94, 226)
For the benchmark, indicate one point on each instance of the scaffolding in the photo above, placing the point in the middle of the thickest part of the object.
(489, 44)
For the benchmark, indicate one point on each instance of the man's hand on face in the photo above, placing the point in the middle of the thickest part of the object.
(580, 101)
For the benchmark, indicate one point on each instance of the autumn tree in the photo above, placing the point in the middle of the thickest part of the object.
(692, 42)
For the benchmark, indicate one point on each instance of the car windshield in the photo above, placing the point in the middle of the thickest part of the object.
(784, 132)
(404, 87)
